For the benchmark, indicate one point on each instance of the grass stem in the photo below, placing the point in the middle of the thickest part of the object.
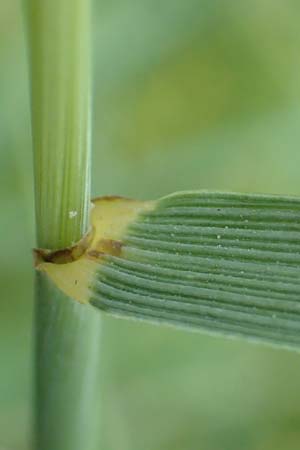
(67, 334)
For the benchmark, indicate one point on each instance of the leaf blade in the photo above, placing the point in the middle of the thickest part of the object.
(247, 285)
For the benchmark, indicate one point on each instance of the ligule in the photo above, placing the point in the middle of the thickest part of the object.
(218, 262)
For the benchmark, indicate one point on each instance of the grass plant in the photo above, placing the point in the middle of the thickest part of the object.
(221, 263)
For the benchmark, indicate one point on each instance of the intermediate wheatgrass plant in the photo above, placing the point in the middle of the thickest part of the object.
(67, 335)
(217, 262)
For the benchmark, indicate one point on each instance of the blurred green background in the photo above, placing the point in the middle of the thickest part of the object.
(188, 94)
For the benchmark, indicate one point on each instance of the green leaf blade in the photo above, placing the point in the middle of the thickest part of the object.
(217, 262)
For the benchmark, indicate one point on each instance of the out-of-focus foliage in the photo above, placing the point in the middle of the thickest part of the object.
(187, 95)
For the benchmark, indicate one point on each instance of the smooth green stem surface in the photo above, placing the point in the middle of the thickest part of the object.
(67, 334)
(60, 77)
(67, 389)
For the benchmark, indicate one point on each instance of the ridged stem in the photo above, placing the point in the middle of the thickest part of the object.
(60, 75)
(67, 334)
